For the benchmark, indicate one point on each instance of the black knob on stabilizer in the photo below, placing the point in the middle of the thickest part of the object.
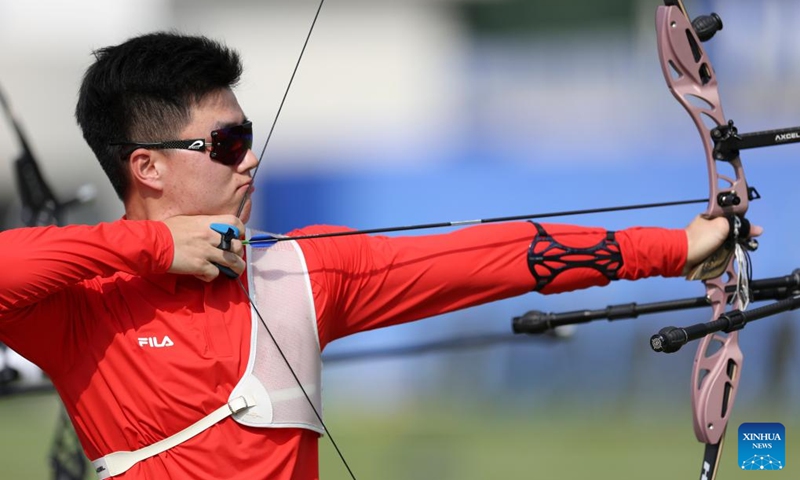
(669, 340)
(533, 322)
(706, 26)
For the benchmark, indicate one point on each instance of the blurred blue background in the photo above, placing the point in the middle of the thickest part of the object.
(427, 111)
(558, 121)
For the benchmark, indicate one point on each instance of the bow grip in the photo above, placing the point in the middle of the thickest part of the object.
(227, 233)
(741, 233)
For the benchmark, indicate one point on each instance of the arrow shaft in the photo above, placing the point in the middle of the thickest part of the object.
(262, 239)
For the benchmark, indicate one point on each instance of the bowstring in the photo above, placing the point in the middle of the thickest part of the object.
(239, 213)
(283, 101)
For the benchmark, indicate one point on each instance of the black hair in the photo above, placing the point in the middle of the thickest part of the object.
(144, 90)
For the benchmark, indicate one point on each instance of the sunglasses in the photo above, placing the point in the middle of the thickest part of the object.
(228, 145)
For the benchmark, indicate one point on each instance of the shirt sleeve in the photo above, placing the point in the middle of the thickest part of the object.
(364, 282)
(646, 252)
(45, 270)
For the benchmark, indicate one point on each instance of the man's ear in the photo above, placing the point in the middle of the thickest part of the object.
(146, 168)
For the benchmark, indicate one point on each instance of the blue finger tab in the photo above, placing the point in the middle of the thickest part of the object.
(228, 233)
(224, 227)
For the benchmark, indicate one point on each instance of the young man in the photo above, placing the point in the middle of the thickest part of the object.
(143, 337)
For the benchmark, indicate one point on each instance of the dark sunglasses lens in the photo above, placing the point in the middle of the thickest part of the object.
(230, 145)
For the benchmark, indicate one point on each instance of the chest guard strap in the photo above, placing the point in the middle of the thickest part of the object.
(120, 462)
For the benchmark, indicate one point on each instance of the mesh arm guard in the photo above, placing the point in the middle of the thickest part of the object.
(547, 258)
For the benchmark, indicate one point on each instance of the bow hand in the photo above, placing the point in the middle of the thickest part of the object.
(712, 244)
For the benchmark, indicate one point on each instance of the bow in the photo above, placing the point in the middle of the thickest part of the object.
(718, 361)
(691, 79)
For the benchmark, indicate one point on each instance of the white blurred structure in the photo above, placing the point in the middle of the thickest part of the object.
(403, 81)
(374, 72)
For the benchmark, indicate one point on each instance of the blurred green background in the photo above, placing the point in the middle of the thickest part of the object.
(456, 439)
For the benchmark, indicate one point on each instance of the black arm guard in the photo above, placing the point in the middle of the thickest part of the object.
(547, 258)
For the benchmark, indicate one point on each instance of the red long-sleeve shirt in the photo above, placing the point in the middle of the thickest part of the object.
(92, 306)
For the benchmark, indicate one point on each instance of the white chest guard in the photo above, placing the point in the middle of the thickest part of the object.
(280, 289)
(268, 394)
